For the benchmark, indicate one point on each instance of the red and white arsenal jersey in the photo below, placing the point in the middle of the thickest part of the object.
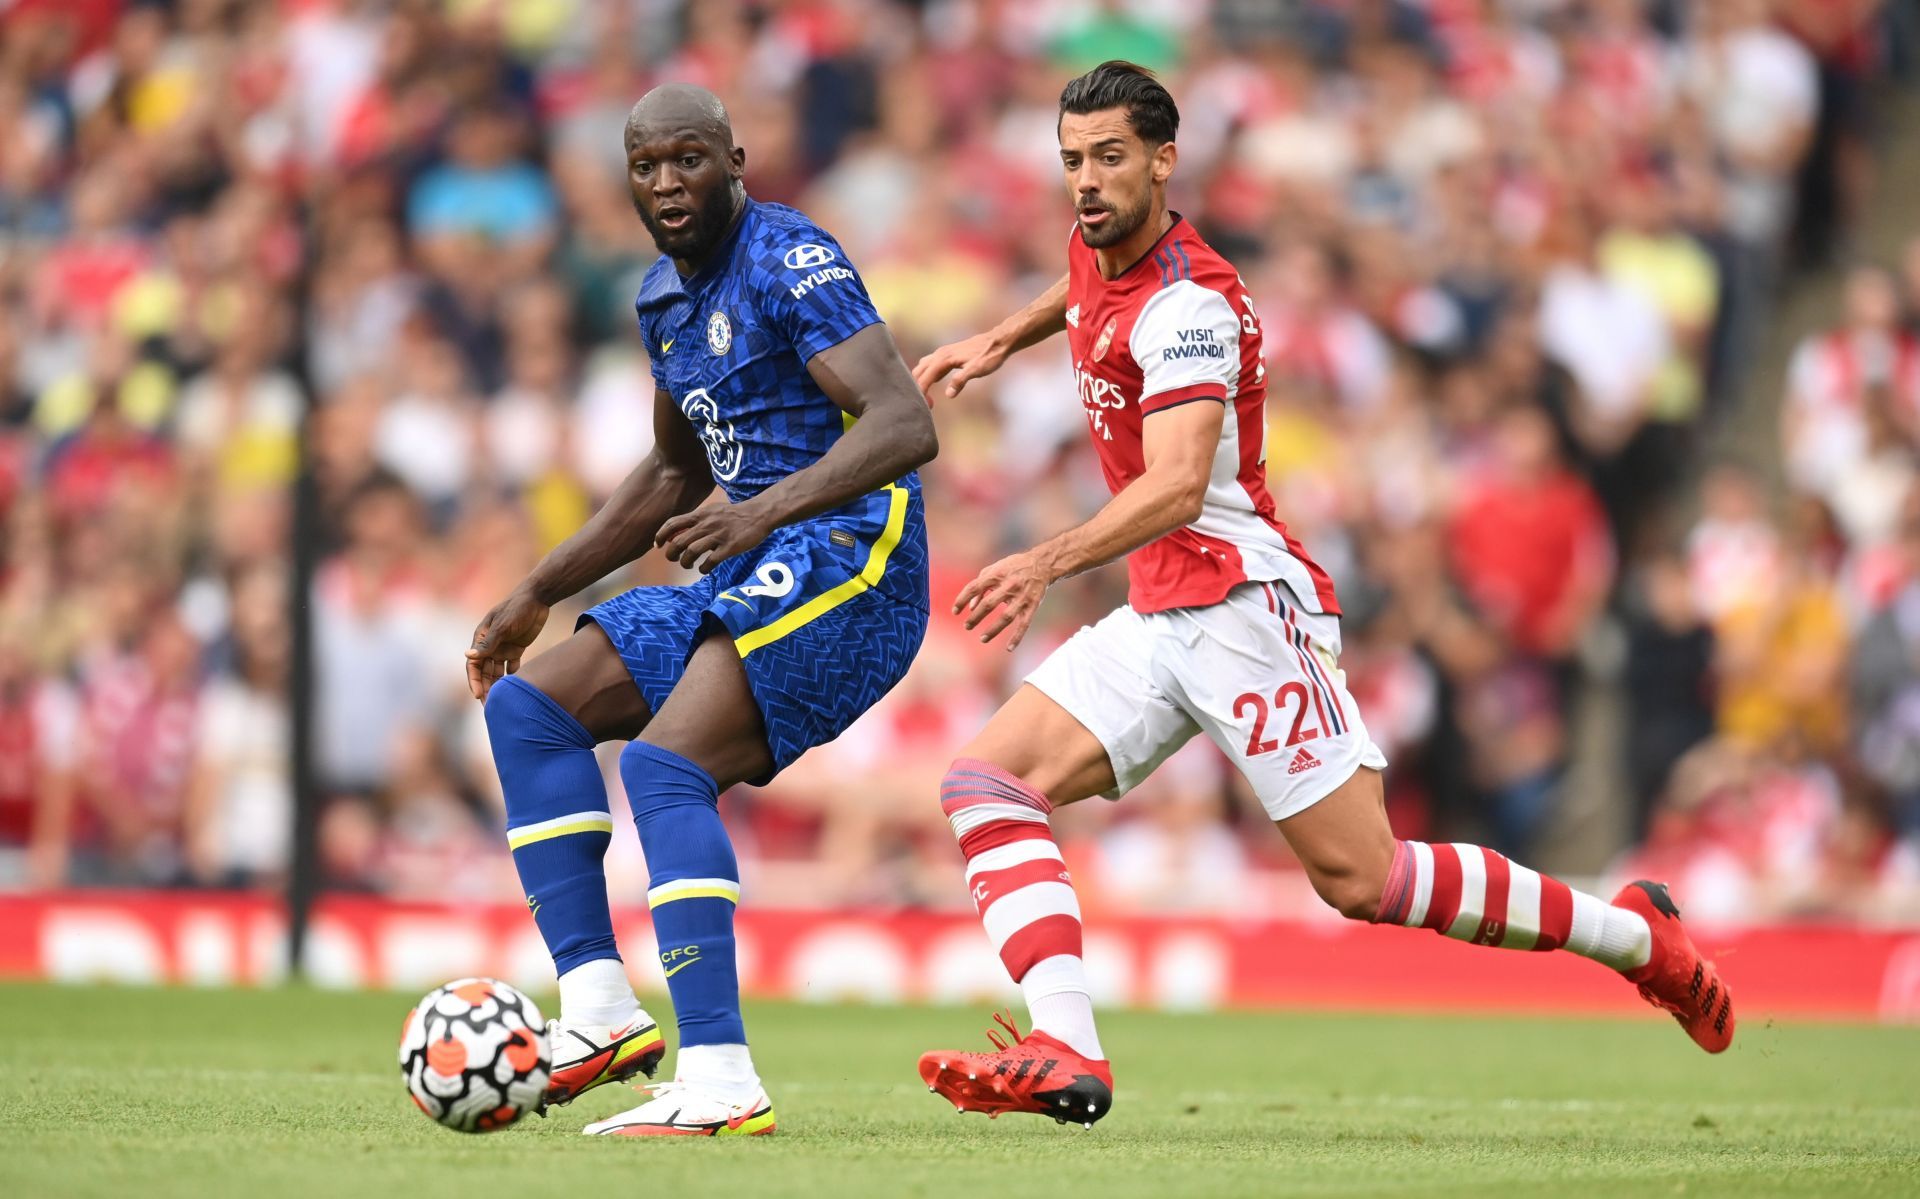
(1177, 327)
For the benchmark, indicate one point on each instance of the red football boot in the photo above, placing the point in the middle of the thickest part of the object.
(1034, 1074)
(1676, 977)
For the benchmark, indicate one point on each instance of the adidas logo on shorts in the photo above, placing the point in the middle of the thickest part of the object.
(1302, 761)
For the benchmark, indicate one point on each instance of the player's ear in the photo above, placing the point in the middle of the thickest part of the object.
(737, 162)
(1165, 155)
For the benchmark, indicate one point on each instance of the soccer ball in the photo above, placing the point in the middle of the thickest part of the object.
(474, 1054)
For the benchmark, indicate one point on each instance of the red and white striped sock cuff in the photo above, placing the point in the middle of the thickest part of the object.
(1018, 880)
(988, 807)
(1471, 893)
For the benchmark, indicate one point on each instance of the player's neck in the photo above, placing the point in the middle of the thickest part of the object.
(1114, 260)
(687, 266)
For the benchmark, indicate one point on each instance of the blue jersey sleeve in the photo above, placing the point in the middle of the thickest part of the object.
(811, 292)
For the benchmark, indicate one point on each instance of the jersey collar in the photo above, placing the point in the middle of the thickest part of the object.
(723, 253)
(1173, 227)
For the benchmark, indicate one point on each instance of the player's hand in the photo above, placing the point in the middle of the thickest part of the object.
(1004, 597)
(964, 360)
(500, 638)
(706, 537)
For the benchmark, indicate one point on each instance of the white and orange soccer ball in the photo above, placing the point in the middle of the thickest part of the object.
(475, 1055)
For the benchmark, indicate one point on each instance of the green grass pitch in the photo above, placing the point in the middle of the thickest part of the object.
(286, 1094)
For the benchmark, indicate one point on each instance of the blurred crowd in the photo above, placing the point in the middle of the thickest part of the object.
(1514, 261)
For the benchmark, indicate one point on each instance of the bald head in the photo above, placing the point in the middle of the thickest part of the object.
(684, 170)
(680, 108)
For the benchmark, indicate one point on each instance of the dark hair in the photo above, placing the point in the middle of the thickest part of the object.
(1118, 84)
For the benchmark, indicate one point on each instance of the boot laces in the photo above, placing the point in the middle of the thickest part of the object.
(1005, 1020)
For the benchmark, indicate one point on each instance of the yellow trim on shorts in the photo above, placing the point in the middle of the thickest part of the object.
(827, 601)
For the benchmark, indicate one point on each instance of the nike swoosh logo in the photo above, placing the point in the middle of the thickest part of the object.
(666, 347)
(678, 967)
(736, 1119)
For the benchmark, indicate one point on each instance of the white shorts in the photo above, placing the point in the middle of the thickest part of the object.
(1255, 672)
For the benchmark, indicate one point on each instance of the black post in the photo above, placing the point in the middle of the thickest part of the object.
(303, 876)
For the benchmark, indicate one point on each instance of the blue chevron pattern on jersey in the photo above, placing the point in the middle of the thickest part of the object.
(730, 343)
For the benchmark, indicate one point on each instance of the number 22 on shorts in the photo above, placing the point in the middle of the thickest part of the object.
(1290, 695)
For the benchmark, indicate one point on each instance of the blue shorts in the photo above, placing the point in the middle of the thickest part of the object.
(820, 640)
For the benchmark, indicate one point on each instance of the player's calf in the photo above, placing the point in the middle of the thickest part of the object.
(693, 888)
(558, 829)
(1466, 892)
(1024, 894)
(1471, 893)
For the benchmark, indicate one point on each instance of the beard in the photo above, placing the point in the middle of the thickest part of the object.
(711, 216)
(1120, 226)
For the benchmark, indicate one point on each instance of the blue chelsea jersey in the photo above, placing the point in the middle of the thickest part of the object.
(730, 344)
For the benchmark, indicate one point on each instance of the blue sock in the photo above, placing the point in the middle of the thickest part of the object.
(693, 888)
(558, 821)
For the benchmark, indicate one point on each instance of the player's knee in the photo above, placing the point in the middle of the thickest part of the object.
(1349, 889)
(1063, 778)
(520, 717)
(506, 709)
(534, 741)
(658, 778)
(954, 780)
(970, 780)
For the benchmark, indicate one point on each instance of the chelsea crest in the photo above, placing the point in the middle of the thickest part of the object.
(719, 333)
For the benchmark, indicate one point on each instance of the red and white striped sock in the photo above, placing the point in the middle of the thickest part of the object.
(1024, 896)
(1474, 894)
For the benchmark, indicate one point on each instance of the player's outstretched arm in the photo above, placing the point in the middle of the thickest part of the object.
(983, 353)
(1178, 445)
(670, 480)
(892, 434)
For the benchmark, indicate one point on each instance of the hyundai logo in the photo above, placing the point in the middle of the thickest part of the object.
(807, 256)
